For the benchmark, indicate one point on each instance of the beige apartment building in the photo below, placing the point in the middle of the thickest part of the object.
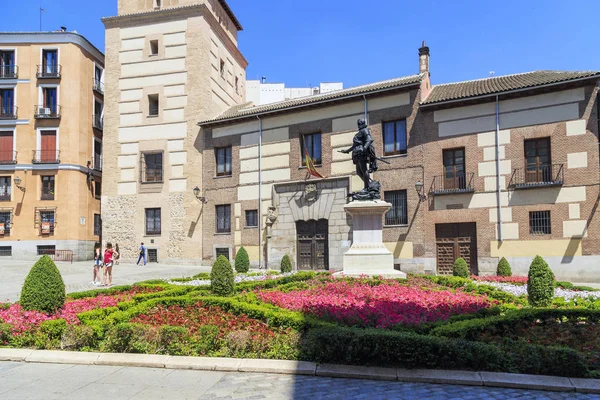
(171, 64)
(51, 114)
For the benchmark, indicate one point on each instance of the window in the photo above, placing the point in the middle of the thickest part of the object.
(7, 104)
(222, 251)
(454, 169)
(50, 63)
(237, 84)
(251, 218)
(157, 3)
(98, 79)
(7, 155)
(50, 100)
(43, 250)
(398, 214)
(153, 105)
(223, 218)
(153, 255)
(8, 69)
(47, 188)
(5, 188)
(152, 221)
(394, 137)
(223, 156)
(312, 144)
(97, 225)
(48, 152)
(539, 223)
(153, 47)
(97, 189)
(5, 222)
(47, 223)
(98, 115)
(538, 164)
(5, 251)
(152, 167)
(222, 69)
(97, 155)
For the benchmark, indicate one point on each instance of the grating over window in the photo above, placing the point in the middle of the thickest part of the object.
(152, 167)
(153, 255)
(47, 220)
(398, 214)
(5, 251)
(46, 250)
(222, 251)
(251, 218)
(5, 219)
(539, 223)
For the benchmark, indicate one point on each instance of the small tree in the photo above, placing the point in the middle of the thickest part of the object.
(503, 268)
(540, 283)
(44, 289)
(286, 264)
(460, 268)
(221, 277)
(242, 262)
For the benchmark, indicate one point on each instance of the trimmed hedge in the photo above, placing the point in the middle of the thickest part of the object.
(540, 283)
(461, 269)
(44, 289)
(503, 268)
(221, 277)
(98, 292)
(286, 264)
(242, 262)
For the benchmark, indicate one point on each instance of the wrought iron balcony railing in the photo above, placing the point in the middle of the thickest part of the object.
(537, 176)
(8, 157)
(46, 112)
(47, 194)
(99, 86)
(49, 71)
(97, 163)
(8, 112)
(455, 182)
(5, 196)
(46, 157)
(98, 121)
(9, 72)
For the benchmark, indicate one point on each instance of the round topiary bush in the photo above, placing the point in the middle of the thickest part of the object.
(286, 264)
(503, 268)
(221, 277)
(242, 262)
(460, 268)
(44, 289)
(540, 285)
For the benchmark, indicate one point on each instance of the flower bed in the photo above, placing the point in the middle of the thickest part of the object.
(356, 303)
(522, 280)
(238, 278)
(567, 294)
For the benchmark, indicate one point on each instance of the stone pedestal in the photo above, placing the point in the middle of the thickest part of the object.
(368, 255)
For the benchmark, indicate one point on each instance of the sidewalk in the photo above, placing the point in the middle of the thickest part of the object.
(280, 379)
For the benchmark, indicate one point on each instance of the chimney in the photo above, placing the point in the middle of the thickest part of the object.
(424, 59)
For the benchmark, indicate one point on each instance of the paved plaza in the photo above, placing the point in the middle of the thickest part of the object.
(62, 381)
(77, 276)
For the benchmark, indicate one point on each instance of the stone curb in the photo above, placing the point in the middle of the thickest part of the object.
(470, 378)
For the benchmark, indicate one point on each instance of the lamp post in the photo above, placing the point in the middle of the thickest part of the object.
(18, 181)
(196, 192)
(419, 189)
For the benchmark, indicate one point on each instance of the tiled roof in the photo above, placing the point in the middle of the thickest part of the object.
(488, 86)
(247, 110)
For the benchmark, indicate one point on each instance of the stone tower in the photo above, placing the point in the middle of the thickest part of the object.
(169, 65)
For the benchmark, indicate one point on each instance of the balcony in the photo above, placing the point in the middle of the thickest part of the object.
(45, 112)
(9, 72)
(97, 163)
(8, 112)
(49, 71)
(535, 177)
(99, 86)
(98, 122)
(8, 157)
(453, 183)
(46, 157)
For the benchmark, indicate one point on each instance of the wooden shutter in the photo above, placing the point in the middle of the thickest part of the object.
(6, 146)
(48, 152)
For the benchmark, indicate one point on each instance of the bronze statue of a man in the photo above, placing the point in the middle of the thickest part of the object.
(365, 159)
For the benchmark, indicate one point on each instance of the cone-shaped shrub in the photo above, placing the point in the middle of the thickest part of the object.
(242, 262)
(460, 268)
(44, 289)
(503, 268)
(286, 264)
(540, 283)
(221, 277)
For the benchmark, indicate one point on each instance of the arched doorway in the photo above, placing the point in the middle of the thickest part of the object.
(313, 246)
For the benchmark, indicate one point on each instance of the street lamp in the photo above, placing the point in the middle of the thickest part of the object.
(18, 181)
(196, 192)
(419, 189)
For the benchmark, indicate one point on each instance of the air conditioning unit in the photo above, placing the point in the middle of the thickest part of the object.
(43, 111)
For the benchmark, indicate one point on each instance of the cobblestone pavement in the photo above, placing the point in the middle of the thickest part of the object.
(58, 381)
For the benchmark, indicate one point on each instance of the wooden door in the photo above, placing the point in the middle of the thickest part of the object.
(538, 163)
(313, 244)
(454, 241)
(454, 169)
(48, 146)
(6, 147)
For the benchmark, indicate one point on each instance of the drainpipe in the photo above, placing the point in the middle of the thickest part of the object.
(366, 109)
(498, 190)
(260, 232)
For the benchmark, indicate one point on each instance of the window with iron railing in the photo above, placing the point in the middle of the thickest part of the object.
(8, 69)
(46, 250)
(5, 188)
(538, 162)
(222, 251)
(398, 214)
(153, 221)
(7, 104)
(539, 223)
(49, 67)
(47, 188)
(223, 218)
(97, 189)
(5, 223)
(47, 222)
(151, 167)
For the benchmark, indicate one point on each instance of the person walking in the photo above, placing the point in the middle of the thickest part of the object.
(109, 255)
(97, 265)
(142, 254)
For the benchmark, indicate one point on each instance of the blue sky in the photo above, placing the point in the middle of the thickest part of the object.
(357, 41)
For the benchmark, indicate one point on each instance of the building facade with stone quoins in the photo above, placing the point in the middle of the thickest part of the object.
(509, 165)
(51, 126)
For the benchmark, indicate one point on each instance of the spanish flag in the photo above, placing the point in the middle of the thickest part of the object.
(311, 166)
